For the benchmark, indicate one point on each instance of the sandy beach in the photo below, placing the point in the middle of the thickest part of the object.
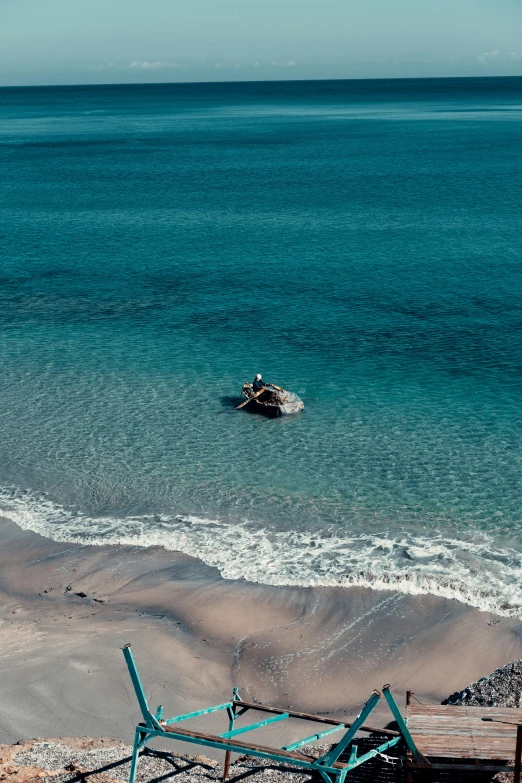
(68, 609)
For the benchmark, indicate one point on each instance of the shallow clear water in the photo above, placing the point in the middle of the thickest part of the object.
(356, 242)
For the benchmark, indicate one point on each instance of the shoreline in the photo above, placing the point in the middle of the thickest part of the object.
(474, 570)
(196, 635)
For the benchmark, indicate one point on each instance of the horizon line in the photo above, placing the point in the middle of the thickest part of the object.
(262, 81)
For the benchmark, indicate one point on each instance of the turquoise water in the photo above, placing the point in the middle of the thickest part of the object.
(356, 242)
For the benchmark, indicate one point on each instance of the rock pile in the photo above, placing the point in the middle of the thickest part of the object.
(502, 688)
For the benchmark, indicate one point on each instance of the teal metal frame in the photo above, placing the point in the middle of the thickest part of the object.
(328, 765)
(403, 728)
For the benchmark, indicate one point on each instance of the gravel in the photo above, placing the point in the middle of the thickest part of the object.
(108, 761)
(110, 764)
(502, 688)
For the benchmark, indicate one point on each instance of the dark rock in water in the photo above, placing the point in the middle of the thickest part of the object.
(502, 688)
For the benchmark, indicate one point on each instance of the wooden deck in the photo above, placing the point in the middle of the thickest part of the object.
(464, 732)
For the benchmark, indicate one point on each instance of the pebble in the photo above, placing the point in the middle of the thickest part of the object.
(502, 688)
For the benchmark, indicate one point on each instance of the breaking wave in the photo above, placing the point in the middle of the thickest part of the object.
(473, 571)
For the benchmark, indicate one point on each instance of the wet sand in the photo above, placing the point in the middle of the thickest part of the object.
(195, 636)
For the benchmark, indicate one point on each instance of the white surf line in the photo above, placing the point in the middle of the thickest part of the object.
(232, 555)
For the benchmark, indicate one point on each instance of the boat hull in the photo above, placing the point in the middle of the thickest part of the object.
(288, 405)
(288, 409)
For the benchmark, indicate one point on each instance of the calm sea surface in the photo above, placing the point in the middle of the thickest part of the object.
(356, 242)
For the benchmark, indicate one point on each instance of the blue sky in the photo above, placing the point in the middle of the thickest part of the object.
(108, 41)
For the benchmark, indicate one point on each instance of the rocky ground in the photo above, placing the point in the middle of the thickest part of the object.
(502, 688)
(72, 760)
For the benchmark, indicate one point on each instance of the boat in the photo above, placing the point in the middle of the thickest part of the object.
(272, 402)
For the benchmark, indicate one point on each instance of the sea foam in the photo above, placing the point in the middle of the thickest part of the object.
(473, 571)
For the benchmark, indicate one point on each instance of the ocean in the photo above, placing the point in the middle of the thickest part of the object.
(356, 242)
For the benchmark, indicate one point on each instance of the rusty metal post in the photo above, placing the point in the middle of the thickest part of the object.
(518, 756)
(227, 765)
(231, 721)
(408, 770)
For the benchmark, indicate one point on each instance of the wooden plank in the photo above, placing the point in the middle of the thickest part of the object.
(490, 729)
(462, 743)
(518, 756)
(446, 746)
(450, 708)
(460, 737)
(480, 726)
(504, 715)
(431, 752)
(317, 718)
(466, 767)
(450, 731)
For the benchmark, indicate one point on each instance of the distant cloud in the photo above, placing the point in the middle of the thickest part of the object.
(101, 67)
(515, 56)
(288, 64)
(150, 66)
(487, 56)
(227, 65)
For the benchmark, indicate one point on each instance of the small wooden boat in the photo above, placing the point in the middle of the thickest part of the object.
(272, 402)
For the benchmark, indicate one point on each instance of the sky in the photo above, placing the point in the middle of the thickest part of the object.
(126, 41)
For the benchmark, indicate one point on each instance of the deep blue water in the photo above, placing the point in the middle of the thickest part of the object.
(358, 242)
